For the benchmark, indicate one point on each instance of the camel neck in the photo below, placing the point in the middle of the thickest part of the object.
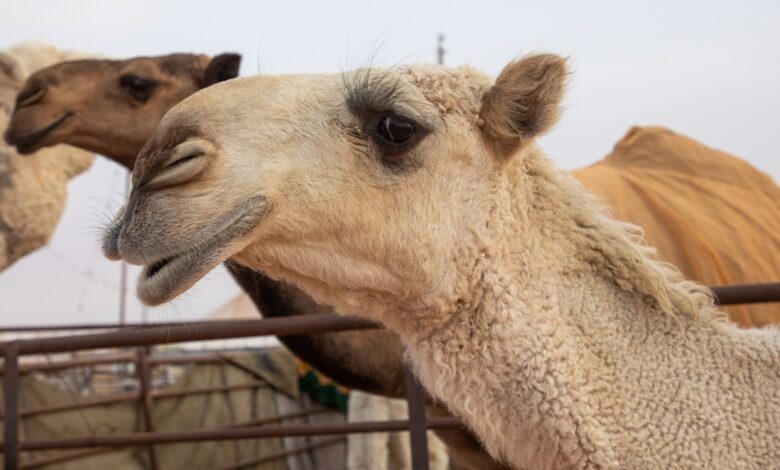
(572, 334)
(510, 367)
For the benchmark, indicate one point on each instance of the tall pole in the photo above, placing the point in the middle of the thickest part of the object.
(418, 437)
(440, 50)
(123, 272)
(11, 397)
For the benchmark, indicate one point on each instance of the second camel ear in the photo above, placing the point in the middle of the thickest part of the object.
(524, 102)
(11, 67)
(222, 67)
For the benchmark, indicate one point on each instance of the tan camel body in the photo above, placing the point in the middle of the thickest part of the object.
(33, 189)
(712, 215)
(417, 197)
(113, 107)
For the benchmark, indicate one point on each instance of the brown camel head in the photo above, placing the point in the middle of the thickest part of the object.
(110, 107)
(363, 188)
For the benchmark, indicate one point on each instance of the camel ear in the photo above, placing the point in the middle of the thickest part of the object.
(11, 67)
(524, 102)
(222, 67)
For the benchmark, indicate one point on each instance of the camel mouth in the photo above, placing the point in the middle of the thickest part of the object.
(165, 278)
(31, 141)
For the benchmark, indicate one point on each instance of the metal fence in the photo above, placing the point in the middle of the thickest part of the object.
(139, 336)
(144, 361)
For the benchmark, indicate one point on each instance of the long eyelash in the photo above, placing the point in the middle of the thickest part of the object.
(370, 92)
(367, 90)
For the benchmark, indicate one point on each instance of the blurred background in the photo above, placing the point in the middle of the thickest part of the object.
(707, 69)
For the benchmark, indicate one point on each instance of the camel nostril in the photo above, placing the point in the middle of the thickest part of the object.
(30, 96)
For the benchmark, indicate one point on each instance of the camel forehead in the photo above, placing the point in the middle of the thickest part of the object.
(451, 90)
(428, 93)
(172, 64)
(64, 71)
(81, 72)
(176, 64)
(421, 89)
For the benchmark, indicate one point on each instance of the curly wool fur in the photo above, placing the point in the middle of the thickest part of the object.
(595, 355)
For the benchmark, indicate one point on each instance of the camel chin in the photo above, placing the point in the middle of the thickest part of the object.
(28, 142)
(164, 279)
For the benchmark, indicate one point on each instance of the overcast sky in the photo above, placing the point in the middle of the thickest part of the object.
(707, 69)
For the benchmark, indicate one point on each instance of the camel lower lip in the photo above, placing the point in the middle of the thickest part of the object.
(165, 278)
(30, 142)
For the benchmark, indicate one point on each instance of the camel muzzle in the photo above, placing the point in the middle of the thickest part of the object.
(27, 142)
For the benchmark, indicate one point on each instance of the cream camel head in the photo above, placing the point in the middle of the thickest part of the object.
(109, 106)
(365, 188)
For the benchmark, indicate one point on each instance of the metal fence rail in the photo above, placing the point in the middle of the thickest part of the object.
(148, 335)
(747, 293)
(724, 295)
(222, 434)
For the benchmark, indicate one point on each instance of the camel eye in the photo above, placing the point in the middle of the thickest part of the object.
(139, 88)
(395, 130)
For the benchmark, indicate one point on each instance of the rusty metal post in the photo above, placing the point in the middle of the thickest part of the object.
(10, 394)
(418, 436)
(146, 401)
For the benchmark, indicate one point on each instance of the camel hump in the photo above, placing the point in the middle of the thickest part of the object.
(658, 148)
